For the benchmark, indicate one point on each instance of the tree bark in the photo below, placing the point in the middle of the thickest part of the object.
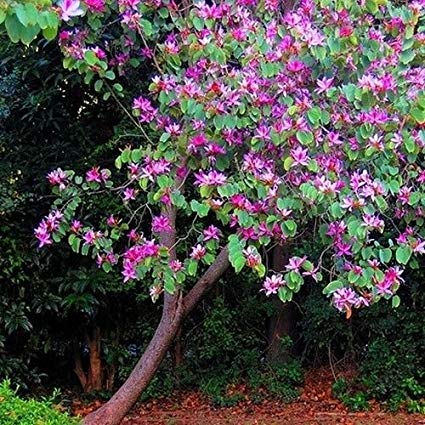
(177, 350)
(282, 322)
(96, 363)
(90, 379)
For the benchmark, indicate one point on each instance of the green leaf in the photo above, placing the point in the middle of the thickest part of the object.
(198, 23)
(395, 301)
(314, 115)
(201, 209)
(31, 14)
(21, 14)
(261, 270)
(287, 163)
(239, 263)
(90, 57)
(403, 254)
(110, 75)
(332, 287)
(147, 27)
(14, 28)
(29, 33)
(192, 268)
(304, 137)
(416, 113)
(98, 85)
(407, 56)
(289, 228)
(169, 284)
(372, 6)
(107, 267)
(385, 255)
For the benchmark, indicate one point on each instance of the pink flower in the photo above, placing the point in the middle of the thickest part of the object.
(161, 224)
(295, 66)
(112, 221)
(299, 156)
(294, 263)
(76, 226)
(344, 299)
(272, 284)
(198, 252)
(346, 31)
(211, 232)
(212, 178)
(253, 258)
(129, 194)
(58, 178)
(176, 265)
(324, 85)
(96, 6)
(97, 175)
(69, 9)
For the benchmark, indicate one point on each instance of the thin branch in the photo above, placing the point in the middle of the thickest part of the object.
(207, 281)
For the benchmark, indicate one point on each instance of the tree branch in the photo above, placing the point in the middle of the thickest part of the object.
(207, 281)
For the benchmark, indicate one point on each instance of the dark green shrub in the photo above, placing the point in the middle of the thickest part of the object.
(354, 400)
(17, 411)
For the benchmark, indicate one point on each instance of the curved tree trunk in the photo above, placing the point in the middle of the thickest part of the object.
(117, 407)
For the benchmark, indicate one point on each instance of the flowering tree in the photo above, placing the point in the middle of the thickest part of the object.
(260, 126)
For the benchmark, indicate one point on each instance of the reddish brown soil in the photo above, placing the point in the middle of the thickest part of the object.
(315, 406)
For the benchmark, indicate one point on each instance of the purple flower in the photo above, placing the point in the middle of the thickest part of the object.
(344, 299)
(58, 178)
(129, 194)
(42, 233)
(198, 252)
(212, 178)
(144, 109)
(96, 6)
(76, 226)
(69, 9)
(90, 237)
(129, 270)
(95, 175)
(211, 232)
(161, 224)
(272, 284)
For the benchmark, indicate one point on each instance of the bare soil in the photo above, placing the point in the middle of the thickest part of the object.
(315, 406)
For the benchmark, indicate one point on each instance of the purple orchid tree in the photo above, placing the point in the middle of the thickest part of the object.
(261, 126)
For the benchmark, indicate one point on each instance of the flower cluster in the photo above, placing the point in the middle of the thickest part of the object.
(47, 227)
(308, 125)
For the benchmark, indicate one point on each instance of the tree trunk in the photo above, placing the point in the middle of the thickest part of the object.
(91, 379)
(282, 322)
(177, 351)
(117, 407)
(95, 373)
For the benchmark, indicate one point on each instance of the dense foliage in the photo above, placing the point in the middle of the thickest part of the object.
(255, 127)
(267, 127)
(15, 410)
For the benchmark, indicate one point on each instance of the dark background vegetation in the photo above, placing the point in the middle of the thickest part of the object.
(64, 323)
